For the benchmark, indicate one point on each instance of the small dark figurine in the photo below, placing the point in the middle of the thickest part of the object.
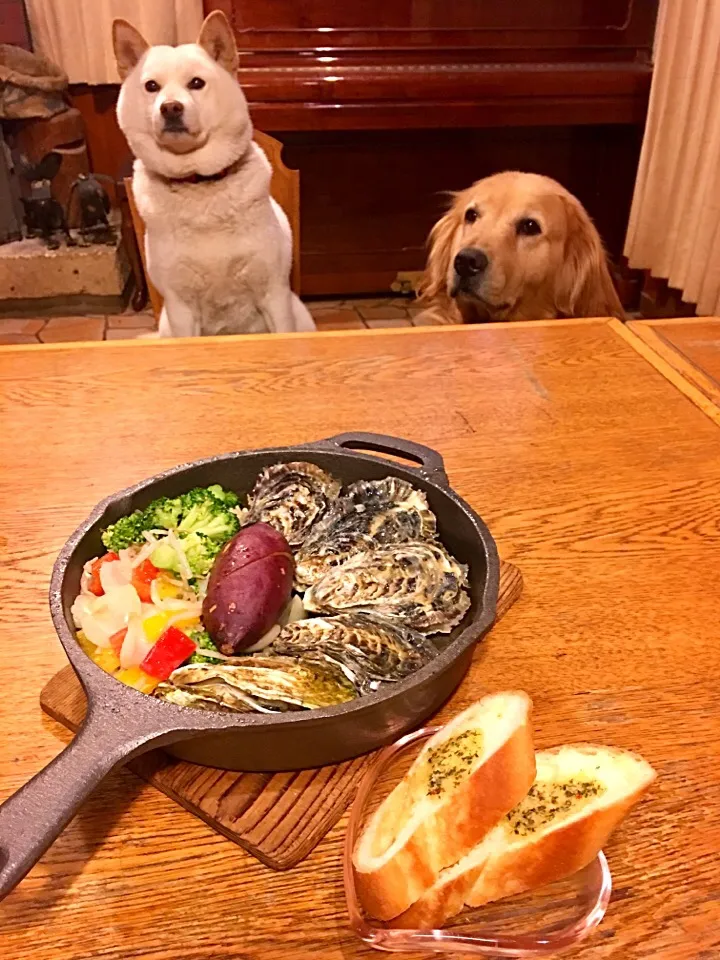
(44, 215)
(94, 208)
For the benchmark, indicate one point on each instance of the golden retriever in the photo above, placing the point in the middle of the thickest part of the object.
(517, 246)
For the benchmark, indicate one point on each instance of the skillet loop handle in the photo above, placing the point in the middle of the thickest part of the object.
(430, 462)
(33, 817)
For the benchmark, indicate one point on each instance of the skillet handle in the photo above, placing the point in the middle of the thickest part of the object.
(33, 817)
(429, 460)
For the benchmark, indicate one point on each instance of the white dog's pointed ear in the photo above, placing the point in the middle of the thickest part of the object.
(218, 41)
(129, 45)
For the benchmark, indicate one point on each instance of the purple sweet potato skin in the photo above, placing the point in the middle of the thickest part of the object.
(250, 584)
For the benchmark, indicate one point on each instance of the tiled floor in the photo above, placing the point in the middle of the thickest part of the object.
(354, 314)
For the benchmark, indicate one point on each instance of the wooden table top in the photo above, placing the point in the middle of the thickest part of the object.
(691, 347)
(596, 475)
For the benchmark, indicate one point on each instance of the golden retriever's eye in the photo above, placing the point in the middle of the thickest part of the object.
(471, 215)
(197, 83)
(528, 227)
(152, 86)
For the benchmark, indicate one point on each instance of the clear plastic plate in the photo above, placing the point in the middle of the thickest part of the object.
(534, 924)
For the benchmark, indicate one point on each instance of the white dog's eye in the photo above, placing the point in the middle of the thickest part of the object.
(197, 83)
(471, 215)
(527, 227)
(152, 86)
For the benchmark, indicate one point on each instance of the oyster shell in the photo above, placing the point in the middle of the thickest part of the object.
(265, 683)
(291, 497)
(368, 650)
(418, 583)
(370, 513)
(186, 698)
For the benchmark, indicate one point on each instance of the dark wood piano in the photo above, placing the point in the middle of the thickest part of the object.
(385, 104)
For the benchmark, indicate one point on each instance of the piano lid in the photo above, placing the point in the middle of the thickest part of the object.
(306, 64)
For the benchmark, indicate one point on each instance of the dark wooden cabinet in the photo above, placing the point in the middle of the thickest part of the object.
(384, 104)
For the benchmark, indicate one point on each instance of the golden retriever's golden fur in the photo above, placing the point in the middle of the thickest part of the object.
(527, 251)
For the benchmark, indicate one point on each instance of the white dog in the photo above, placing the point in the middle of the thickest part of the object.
(218, 247)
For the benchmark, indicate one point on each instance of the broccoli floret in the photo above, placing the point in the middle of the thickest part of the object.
(163, 513)
(201, 511)
(200, 552)
(164, 557)
(229, 498)
(125, 531)
(206, 515)
(202, 639)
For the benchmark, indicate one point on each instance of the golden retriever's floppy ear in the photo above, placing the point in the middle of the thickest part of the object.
(434, 280)
(129, 46)
(583, 286)
(218, 41)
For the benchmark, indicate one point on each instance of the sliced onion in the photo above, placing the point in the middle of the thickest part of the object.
(155, 589)
(265, 641)
(176, 544)
(101, 617)
(215, 655)
(293, 611)
(85, 576)
(81, 607)
(144, 552)
(114, 574)
(97, 631)
(135, 646)
(123, 601)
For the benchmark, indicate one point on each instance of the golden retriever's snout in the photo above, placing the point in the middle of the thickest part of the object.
(469, 265)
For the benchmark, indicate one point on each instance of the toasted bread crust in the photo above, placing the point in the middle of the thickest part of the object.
(552, 856)
(537, 861)
(452, 830)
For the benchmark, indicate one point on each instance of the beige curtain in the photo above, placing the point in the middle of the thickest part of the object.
(76, 34)
(674, 228)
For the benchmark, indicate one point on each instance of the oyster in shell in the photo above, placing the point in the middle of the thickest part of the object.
(264, 683)
(186, 698)
(368, 650)
(417, 583)
(370, 513)
(291, 497)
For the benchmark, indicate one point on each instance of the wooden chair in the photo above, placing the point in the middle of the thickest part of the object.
(285, 190)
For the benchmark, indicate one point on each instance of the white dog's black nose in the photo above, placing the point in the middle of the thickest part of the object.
(470, 262)
(172, 109)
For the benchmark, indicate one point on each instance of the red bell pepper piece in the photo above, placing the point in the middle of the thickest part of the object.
(94, 585)
(116, 640)
(172, 648)
(142, 576)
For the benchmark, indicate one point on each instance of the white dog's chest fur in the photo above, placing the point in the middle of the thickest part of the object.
(219, 246)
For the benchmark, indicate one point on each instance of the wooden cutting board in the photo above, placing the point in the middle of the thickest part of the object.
(277, 817)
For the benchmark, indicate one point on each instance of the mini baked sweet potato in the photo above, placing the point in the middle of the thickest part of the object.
(250, 584)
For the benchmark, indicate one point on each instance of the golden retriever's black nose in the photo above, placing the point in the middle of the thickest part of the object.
(172, 109)
(470, 261)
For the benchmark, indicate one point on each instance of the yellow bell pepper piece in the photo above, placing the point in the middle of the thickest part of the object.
(106, 658)
(138, 679)
(155, 624)
(87, 646)
(166, 589)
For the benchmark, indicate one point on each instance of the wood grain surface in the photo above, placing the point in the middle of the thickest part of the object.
(597, 476)
(278, 818)
(690, 346)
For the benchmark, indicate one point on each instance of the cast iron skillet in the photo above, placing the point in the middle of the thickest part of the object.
(122, 723)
